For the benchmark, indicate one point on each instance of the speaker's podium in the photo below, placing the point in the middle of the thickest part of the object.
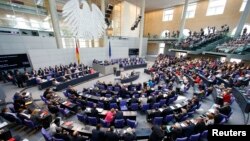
(117, 72)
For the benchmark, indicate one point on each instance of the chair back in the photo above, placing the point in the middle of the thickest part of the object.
(204, 134)
(104, 123)
(194, 137)
(184, 118)
(12, 109)
(47, 136)
(190, 114)
(169, 118)
(90, 104)
(134, 106)
(100, 105)
(156, 105)
(145, 107)
(131, 123)
(162, 102)
(113, 105)
(119, 123)
(157, 120)
(81, 117)
(110, 88)
(29, 123)
(55, 139)
(108, 95)
(92, 121)
(181, 139)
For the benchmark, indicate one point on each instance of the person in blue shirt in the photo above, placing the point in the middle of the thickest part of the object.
(150, 83)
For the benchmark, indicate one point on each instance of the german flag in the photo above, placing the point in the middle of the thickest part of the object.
(77, 51)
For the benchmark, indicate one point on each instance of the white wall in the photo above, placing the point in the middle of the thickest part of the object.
(119, 48)
(51, 57)
(129, 13)
(15, 44)
(43, 52)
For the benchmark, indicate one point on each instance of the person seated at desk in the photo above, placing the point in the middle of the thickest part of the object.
(225, 109)
(209, 120)
(195, 101)
(117, 85)
(77, 137)
(178, 116)
(56, 123)
(157, 113)
(112, 99)
(53, 108)
(159, 97)
(123, 92)
(149, 90)
(71, 90)
(110, 135)
(158, 133)
(110, 115)
(32, 115)
(82, 101)
(97, 134)
(200, 126)
(55, 82)
(132, 73)
(134, 100)
(94, 112)
(119, 114)
(40, 80)
(61, 134)
(5, 112)
(139, 87)
(227, 96)
(167, 111)
(129, 135)
(217, 117)
(151, 100)
(176, 131)
(150, 83)
(17, 96)
(19, 105)
(189, 129)
(47, 92)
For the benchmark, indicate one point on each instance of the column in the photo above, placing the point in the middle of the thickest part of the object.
(242, 20)
(55, 23)
(141, 28)
(183, 20)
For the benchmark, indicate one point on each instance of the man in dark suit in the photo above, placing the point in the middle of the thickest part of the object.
(97, 134)
(157, 134)
(112, 100)
(129, 135)
(226, 109)
(119, 115)
(176, 132)
(200, 126)
(157, 113)
(94, 112)
(167, 111)
(111, 135)
(189, 129)
(60, 135)
(133, 100)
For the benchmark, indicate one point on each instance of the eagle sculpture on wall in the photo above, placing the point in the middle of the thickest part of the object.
(85, 20)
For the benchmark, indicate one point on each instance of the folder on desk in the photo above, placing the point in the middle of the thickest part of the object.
(99, 110)
(178, 105)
